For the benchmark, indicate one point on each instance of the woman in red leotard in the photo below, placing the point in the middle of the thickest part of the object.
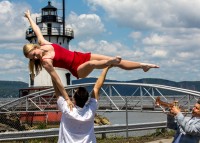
(48, 55)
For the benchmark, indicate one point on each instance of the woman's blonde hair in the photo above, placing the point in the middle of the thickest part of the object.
(35, 66)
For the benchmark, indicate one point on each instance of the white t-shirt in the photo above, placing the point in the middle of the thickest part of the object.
(77, 126)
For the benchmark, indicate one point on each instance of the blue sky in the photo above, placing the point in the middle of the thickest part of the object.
(166, 33)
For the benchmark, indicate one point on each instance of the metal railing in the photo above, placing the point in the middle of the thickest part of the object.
(53, 132)
(115, 97)
(112, 96)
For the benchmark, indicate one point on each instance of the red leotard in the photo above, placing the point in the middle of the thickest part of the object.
(69, 60)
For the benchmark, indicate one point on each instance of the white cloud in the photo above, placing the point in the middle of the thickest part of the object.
(12, 46)
(102, 47)
(11, 61)
(12, 20)
(85, 25)
(135, 35)
(156, 40)
(160, 53)
(185, 54)
(142, 14)
(14, 68)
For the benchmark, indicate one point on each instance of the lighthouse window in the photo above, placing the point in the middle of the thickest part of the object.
(45, 12)
(52, 13)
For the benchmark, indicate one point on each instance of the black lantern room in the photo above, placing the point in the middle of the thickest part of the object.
(49, 13)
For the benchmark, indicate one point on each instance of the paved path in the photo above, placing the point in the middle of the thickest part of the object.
(162, 141)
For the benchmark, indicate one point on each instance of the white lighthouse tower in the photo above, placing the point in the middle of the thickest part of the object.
(53, 29)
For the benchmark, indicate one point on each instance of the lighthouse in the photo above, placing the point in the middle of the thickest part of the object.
(53, 29)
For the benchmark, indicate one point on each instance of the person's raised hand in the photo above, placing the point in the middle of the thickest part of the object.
(174, 110)
(70, 104)
(27, 14)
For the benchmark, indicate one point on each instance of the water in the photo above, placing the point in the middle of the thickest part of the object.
(133, 118)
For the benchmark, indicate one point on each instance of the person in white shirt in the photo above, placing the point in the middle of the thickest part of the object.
(77, 125)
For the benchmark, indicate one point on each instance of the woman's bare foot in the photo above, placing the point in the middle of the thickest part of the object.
(146, 66)
(114, 61)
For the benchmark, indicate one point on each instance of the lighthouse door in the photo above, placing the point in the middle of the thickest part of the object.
(49, 27)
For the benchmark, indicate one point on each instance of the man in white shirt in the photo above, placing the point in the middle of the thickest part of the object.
(77, 125)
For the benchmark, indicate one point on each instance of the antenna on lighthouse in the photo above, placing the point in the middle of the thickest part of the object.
(63, 1)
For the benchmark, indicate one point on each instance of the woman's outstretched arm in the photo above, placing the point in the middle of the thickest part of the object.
(57, 92)
(58, 86)
(36, 29)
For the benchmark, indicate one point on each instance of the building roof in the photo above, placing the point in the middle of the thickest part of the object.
(49, 6)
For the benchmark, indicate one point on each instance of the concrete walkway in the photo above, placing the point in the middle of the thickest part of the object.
(162, 141)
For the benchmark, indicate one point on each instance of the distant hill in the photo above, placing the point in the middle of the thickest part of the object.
(126, 90)
(11, 88)
(194, 85)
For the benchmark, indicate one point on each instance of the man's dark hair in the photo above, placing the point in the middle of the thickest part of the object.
(81, 96)
(198, 101)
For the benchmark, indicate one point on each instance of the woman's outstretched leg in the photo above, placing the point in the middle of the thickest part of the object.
(86, 68)
(146, 66)
(125, 64)
(130, 65)
(100, 61)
